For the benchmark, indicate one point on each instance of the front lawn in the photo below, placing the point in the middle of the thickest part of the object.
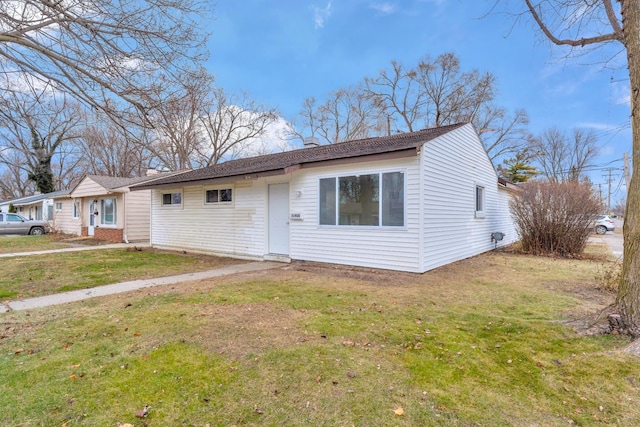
(483, 342)
(11, 244)
(36, 275)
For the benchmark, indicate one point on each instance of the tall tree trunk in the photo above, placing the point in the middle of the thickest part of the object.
(628, 299)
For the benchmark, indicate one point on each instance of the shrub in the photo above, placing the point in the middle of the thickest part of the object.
(609, 277)
(554, 218)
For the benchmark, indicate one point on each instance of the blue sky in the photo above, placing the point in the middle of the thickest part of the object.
(283, 51)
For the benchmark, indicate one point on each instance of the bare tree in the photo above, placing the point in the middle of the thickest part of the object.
(579, 24)
(111, 151)
(175, 138)
(97, 50)
(347, 114)
(398, 93)
(13, 179)
(563, 158)
(436, 93)
(38, 126)
(231, 125)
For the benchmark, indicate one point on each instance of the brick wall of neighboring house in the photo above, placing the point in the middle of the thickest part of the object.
(84, 231)
(108, 234)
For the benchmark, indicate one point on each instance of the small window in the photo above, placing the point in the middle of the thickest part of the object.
(479, 201)
(75, 213)
(169, 199)
(58, 206)
(219, 196)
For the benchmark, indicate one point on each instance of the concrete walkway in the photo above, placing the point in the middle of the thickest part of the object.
(116, 288)
(77, 248)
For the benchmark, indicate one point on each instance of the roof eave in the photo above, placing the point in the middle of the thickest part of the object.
(394, 154)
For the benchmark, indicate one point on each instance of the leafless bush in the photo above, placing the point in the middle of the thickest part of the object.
(554, 218)
(609, 277)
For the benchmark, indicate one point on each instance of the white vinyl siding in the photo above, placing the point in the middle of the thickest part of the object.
(237, 229)
(451, 231)
(137, 211)
(395, 248)
(63, 221)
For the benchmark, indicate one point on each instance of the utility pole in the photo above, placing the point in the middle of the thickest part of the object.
(600, 191)
(609, 180)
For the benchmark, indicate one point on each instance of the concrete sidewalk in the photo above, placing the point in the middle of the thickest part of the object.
(77, 248)
(116, 288)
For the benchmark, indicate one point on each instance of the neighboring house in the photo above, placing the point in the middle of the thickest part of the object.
(39, 206)
(104, 208)
(409, 202)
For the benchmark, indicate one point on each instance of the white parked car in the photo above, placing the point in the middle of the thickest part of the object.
(11, 223)
(604, 223)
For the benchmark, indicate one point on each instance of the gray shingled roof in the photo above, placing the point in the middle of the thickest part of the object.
(36, 198)
(280, 161)
(113, 182)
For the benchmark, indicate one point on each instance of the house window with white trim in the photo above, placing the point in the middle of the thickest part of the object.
(479, 201)
(172, 199)
(58, 206)
(75, 214)
(218, 195)
(108, 210)
(375, 200)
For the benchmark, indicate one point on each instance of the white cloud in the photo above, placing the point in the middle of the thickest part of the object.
(384, 8)
(321, 14)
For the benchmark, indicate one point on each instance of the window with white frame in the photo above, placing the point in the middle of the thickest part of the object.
(172, 199)
(108, 210)
(375, 199)
(218, 195)
(75, 211)
(479, 201)
(58, 206)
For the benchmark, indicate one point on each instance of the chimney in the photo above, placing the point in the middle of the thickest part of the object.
(152, 172)
(311, 141)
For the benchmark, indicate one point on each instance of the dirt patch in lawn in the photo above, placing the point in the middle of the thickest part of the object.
(371, 275)
(262, 326)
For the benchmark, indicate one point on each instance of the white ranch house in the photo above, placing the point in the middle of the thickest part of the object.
(409, 202)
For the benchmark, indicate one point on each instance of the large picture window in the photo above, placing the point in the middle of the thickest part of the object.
(108, 209)
(363, 200)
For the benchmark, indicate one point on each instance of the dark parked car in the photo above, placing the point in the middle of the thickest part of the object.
(11, 223)
(604, 223)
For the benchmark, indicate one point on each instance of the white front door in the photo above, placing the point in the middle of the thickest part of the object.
(92, 218)
(279, 219)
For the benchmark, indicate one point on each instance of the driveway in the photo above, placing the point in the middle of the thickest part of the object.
(615, 242)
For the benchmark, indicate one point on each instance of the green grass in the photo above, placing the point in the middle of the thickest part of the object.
(479, 342)
(36, 275)
(11, 244)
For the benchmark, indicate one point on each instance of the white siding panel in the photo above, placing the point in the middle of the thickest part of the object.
(377, 247)
(236, 229)
(63, 221)
(137, 214)
(453, 165)
(88, 188)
